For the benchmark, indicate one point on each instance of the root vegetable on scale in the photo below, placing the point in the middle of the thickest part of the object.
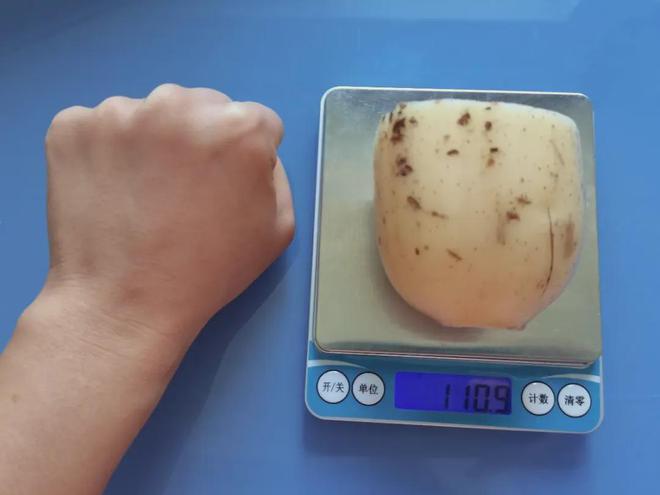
(479, 208)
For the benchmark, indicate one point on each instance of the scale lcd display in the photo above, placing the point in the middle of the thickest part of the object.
(452, 393)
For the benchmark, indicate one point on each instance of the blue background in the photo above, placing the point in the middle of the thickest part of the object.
(233, 420)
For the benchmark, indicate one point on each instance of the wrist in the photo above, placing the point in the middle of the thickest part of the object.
(76, 386)
(81, 323)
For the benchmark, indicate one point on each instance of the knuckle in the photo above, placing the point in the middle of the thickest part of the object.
(112, 103)
(65, 123)
(258, 114)
(209, 95)
(164, 92)
(112, 109)
(65, 117)
(249, 114)
(116, 115)
(269, 115)
(263, 120)
(237, 113)
(163, 103)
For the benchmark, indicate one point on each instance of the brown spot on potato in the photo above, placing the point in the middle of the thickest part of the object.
(490, 162)
(464, 119)
(413, 203)
(452, 152)
(384, 220)
(494, 150)
(417, 251)
(523, 200)
(488, 108)
(512, 215)
(402, 167)
(446, 137)
(397, 130)
(488, 125)
(438, 215)
(413, 120)
(426, 248)
(454, 255)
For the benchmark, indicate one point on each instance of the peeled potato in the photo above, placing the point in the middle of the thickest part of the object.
(478, 208)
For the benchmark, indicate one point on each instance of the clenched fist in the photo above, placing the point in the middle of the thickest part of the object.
(162, 210)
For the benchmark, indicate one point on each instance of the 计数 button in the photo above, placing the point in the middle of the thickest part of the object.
(332, 386)
(538, 398)
(574, 400)
(368, 389)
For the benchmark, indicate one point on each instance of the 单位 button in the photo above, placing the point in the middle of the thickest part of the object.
(368, 389)
(332, 386)
(574, 400)
(538, 398)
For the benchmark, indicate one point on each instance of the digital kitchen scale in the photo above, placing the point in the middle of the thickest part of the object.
(373, 358)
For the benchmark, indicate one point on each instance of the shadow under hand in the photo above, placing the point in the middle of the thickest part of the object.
(151, 458)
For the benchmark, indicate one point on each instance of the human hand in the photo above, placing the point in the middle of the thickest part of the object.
(162, 210)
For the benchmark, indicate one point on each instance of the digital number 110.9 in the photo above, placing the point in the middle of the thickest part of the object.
(481, 398)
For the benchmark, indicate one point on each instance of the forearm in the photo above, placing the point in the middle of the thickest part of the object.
(71, 402)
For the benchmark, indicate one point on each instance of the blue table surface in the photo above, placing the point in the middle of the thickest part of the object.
(233, 419)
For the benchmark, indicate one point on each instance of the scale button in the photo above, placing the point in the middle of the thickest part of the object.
(332, 386)
(574, 400)
(368, 389)
(538, 398)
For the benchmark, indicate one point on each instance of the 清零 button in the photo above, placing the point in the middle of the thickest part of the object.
(574, 400)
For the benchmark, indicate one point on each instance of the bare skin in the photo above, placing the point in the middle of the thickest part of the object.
(161, 211)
